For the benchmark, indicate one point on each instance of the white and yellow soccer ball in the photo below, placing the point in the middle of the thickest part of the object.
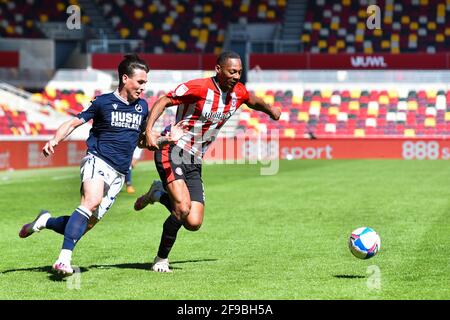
(364, 243)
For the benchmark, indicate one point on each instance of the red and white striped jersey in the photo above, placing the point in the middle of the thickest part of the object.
(204, 108)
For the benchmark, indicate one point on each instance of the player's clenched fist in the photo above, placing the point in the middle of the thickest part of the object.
(152, 141)
(48, 149)
(276, 112)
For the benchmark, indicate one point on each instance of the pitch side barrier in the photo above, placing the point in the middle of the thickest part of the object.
(26, 154)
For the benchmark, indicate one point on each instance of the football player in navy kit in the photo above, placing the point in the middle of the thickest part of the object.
(119, 120)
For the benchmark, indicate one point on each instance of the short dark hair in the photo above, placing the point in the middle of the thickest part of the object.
(129, 63)
(224, 56)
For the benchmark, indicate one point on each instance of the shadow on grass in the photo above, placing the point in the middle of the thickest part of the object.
(348, 276)
(48, 269)
(142, 266)
(146, 265)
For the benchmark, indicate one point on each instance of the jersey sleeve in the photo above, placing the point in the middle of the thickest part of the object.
(186, 93)
(144, 120)
(242, 94)
(245, 94)
(89, 113)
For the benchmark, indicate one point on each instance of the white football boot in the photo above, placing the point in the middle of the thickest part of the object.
(37, 225)
(62, 268)
(161, 265)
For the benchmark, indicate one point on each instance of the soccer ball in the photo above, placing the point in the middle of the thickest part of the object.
(364, 243)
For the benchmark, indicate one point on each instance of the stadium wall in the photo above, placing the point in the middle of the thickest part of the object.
(438, 61)
(27, 154)
(34, 54)
(294, 61)
(167, 61)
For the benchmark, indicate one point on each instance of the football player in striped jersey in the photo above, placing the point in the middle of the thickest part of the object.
(204, 105)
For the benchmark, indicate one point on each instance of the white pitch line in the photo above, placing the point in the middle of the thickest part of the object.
(5, 180)
(64, 177)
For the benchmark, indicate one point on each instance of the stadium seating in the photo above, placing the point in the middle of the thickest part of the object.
(354, 113)
(329, 27)
(18, 18)
(14, 122)
(64, 101)
(407, 26)
(183, 26)
(321, 113)
(161, 24)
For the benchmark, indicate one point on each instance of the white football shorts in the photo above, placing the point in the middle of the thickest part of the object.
(137, 154)
(93, 167)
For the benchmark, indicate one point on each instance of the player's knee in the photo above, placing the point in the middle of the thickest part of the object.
(194, 221)
(91, 203)
(192, 227)
(182, 210)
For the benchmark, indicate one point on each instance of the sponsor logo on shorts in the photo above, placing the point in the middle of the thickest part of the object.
(178, 171)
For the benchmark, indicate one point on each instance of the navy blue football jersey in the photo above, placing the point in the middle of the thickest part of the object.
(115, 129)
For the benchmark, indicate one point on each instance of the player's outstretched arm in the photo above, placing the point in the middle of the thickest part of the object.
(155, 112)
(256, 103)
(61, 133)
(176, 132)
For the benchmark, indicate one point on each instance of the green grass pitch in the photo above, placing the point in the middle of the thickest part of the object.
(264, 237)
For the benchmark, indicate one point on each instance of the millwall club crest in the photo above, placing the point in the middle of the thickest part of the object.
(138, 107)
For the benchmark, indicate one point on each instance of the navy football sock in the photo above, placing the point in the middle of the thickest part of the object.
(57, 224)
(169, 235)
(128, 178)
(75, 227)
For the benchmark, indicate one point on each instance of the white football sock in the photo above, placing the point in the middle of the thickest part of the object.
(65, 256)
